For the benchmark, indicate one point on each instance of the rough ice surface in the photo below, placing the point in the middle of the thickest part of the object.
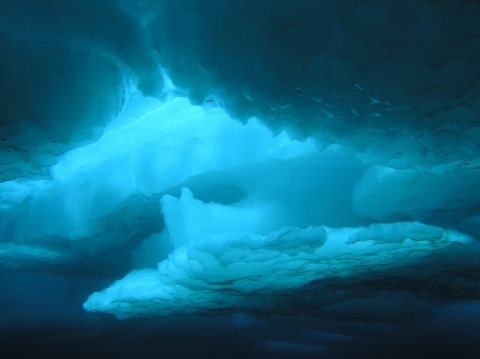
(251, 165)
(234, 271)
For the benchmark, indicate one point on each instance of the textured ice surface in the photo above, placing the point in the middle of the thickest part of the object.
(222, 272)
(220, 265)
(395, 82)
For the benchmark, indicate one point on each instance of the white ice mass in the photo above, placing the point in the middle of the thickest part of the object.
(255, 156)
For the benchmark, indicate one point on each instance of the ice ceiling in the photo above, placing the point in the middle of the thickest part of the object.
(314, 157)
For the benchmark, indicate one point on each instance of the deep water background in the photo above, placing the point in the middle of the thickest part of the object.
(49, 322)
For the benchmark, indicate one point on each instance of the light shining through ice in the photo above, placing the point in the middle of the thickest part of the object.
(251, 179)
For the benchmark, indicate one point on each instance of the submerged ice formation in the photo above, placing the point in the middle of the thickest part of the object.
(254, 155)
(223, 266)
(105, 196)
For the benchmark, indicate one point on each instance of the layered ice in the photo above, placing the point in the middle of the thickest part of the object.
(224, 267)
